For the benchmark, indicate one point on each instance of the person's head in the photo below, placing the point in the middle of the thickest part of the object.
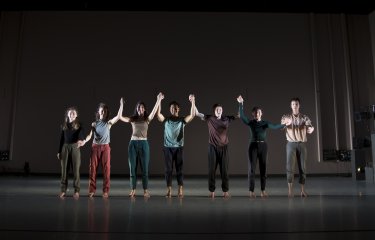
(218, 110)
(174, 108)
(257, 113)
(295, 104)
(71, 115)
(102, 112)
(140, 110)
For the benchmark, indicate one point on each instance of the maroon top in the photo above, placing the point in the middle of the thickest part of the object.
(218, 129)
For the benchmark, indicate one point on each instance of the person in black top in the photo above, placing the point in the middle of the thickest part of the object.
(257, 146)
(72, 136)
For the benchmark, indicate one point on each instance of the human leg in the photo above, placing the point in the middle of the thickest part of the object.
(212, 164)
(106, 166)
(263, 168)
(290, 163)
(76, 159)
(252, 162)
(94, 159)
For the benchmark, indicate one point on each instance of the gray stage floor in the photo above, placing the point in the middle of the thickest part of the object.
(337, 207)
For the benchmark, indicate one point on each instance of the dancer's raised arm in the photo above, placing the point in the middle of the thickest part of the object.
(119, 113)
(160, 116)
(190, 117)
(157, 104)
(240, 109)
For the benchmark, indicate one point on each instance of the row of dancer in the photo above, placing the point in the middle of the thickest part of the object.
(296, 126)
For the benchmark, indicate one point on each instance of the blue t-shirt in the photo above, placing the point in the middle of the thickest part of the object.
(174, 131)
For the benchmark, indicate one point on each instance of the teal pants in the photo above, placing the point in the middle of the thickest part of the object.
(138, 153)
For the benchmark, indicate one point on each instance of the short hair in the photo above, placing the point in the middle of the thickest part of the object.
(255, 110)
(295, 99)
(216, 105)
(174, 103)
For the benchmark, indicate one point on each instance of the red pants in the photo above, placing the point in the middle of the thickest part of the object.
(100, 153)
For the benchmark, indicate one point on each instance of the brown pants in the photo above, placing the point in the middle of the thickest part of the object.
(70, 155)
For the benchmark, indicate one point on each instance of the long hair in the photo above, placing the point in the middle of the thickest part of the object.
(106, 112)
(75, 123)
(135, 115)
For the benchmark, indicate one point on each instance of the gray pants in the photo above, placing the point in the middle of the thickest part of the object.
(70, 153)
(296, 151)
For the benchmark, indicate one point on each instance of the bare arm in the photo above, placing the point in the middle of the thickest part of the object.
(198, 114)
(125, 119)
(190, 117)
(88, 137)
(153, 112)
(160, 116)
(119, 113)
(240, 110)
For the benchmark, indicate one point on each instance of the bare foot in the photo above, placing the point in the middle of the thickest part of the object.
(132, 193)
(290, 194)
(62, 195)
(303, 194)
(169, 193)
(76, 195)
(211, 195)
(226, 195)
(91, 194)
(146, 194)
(290, 190)
(252, 194)
(105, 195)
(180, 192)
(263, 194)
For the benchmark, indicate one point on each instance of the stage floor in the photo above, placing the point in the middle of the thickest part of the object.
(337, 208)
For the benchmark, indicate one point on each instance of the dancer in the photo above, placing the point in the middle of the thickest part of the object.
(174, 142)
(138, 149)
(69, 153)
(217, 147)
(100, 150)
(257, 147)
(298, 125)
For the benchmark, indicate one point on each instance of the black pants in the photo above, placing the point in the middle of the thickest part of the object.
(257, 150)
(218, 156)
(173, 155)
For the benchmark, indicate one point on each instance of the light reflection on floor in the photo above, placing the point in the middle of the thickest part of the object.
(336, 206)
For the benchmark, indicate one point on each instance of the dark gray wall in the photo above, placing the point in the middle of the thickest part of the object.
(52, 60)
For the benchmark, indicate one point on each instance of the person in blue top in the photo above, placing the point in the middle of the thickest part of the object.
(257, 146)
(100, 149)
(174, 142)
